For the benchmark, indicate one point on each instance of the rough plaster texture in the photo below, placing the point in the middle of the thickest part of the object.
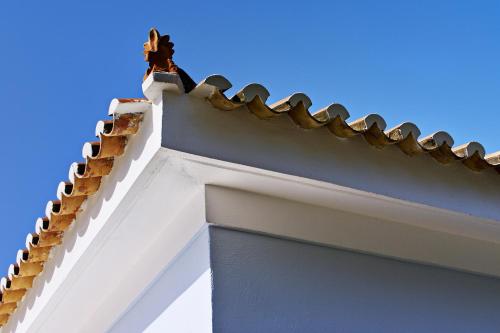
(265, 284)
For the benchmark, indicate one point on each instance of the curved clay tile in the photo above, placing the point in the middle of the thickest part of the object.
(372, 127)
(84, 179)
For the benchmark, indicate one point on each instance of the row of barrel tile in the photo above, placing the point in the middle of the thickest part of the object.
(84, 180)
(335, 117)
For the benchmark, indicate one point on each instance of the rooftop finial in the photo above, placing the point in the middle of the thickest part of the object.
(158, 52)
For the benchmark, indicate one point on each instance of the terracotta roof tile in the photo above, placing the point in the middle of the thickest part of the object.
(83, 181)
(335, 117)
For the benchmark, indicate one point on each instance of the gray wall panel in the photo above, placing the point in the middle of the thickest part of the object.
(265, 284)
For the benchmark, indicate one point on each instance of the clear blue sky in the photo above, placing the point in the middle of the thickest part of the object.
(436, 64)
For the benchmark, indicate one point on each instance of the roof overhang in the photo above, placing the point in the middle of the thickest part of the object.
(192, 125)
(191, 164)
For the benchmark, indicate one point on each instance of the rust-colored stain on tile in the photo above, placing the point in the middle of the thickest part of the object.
(84, 181)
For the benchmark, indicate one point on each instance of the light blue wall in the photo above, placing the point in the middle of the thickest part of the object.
(265, 284)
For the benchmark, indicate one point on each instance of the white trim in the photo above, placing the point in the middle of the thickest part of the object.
(255, 212)
(323, 194)
(158, 82)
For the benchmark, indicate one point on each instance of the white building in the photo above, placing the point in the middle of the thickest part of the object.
(228, 215)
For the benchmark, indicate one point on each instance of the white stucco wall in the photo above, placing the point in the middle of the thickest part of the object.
(180, 298)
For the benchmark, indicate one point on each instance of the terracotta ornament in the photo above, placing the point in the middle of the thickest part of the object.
(158, 52)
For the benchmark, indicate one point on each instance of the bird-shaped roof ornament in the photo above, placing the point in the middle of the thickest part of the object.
(158, 52)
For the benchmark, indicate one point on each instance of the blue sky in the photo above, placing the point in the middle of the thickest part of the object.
(433, 63)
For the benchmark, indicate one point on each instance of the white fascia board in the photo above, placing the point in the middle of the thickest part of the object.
(275, 216)
(287, 206)
(323, 194)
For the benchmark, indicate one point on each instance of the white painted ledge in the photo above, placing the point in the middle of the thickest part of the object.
(159, 82)
(326, 226)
